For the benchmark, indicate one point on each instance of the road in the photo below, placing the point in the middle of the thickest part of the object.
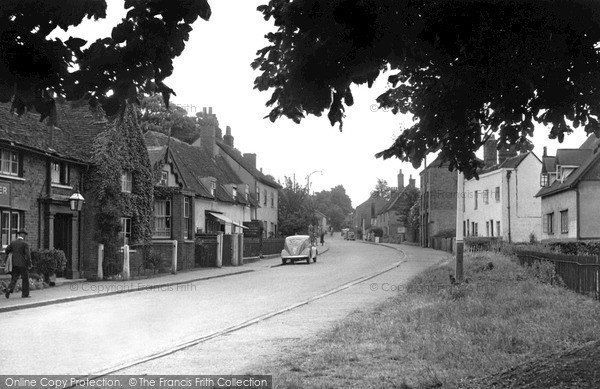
(122, 333)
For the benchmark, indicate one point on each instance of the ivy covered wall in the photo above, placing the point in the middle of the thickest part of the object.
(121, 148)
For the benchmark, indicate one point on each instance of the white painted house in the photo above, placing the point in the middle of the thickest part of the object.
(502, 202)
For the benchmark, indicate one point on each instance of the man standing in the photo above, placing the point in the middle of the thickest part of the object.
(21, 259)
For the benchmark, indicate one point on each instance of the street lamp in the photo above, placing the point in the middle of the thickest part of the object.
(76, 200)
(308, 178)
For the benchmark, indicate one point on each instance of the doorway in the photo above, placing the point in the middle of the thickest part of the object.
(63, 239)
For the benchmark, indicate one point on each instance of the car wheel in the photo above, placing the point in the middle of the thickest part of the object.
(315, 259)
(308, 260)
(283, 261)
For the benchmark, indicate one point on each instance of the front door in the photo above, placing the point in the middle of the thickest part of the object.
(63, 238)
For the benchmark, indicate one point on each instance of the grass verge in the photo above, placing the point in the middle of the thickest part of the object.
(440, 335)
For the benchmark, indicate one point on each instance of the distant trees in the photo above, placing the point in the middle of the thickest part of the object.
(335, 204)
(174, 121)
(410, 198)
(382, 190)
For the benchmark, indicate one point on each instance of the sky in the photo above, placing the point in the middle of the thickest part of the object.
(214, 71)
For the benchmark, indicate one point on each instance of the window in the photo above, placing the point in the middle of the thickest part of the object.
(234, 192)
(164, 178)
(126, 230)
(188, 230)
(487, 228)
(468, 228)
(498, 228)
(464, 228)
(497, 194)
(564, 221)
(213, 188)
(544, 180)
(272, 199)
(549, 223)
(476, 199)
(9, 162)
(162, 218)
(126, 182)
(9, 225)
(59, 173)
(486, 196)
(258, 195)
(492, 227)
(265, 197)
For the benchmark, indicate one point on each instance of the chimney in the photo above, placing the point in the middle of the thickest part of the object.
(545, 151)
(411, 181)
(251, 158)
(400, 180)
(204, 110)
(490, 152)
(506, 153)
(228, 138)
(210, 110)
(208, 140)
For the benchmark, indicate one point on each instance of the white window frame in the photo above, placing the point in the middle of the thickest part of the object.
(9, 162)
(126, 181)
(126, 230)
(162, 219)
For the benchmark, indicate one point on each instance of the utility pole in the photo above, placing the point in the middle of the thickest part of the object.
(458, 272)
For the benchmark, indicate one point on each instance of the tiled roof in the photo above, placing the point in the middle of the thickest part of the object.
(548, 164)
(509, 163)
(572, 157)
(194, 163)
(239, 159)
(587, 156)
(591, 142)
(71, 138)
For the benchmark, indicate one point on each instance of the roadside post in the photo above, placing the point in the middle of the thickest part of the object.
(458, 272)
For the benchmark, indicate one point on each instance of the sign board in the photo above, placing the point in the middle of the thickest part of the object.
(5, 193)
(402, 230)
(254, 229)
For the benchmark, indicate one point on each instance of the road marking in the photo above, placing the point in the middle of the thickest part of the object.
(247, 323)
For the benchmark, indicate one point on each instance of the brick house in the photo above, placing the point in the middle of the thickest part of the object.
(263, 187)
(41, 166)
(502, 202)
(438, 200)
(388, 216)
(216, 198)
(570, 186)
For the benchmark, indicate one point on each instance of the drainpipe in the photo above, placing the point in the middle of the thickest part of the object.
(508, 174)
(578, 212)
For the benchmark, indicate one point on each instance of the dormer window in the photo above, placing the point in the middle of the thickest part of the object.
(164, 178)
(234, 192)
(247, 194)
(213, 188)
(544, 180)
(60, 173)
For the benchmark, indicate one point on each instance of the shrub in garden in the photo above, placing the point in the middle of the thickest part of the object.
(48, 262)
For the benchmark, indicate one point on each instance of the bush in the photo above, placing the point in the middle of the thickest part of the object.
(483, 243)
(48, 262)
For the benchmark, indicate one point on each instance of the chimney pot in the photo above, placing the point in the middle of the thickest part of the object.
(210, 110)
(545, 151)
(204, 110)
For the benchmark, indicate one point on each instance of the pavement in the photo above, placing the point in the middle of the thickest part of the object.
(82, 289)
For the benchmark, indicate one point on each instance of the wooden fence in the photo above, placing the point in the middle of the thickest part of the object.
(580, 273)
(445, 244)
(269, 246)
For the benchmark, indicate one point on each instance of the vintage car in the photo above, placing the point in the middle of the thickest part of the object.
(298, 248)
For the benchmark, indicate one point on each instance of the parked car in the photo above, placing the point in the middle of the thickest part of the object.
(298, 248)
(350, 235)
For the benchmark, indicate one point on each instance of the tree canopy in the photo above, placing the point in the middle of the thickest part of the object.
(137, 57)
(463, 69)
(295, 208)
(175, 122)
(381, 190)
(335, 204)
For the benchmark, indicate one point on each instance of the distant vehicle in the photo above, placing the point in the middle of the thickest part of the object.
(350, 235)
(298, 248)
(345, 232)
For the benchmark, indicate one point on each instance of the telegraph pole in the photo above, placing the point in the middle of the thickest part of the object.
(458, 272)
